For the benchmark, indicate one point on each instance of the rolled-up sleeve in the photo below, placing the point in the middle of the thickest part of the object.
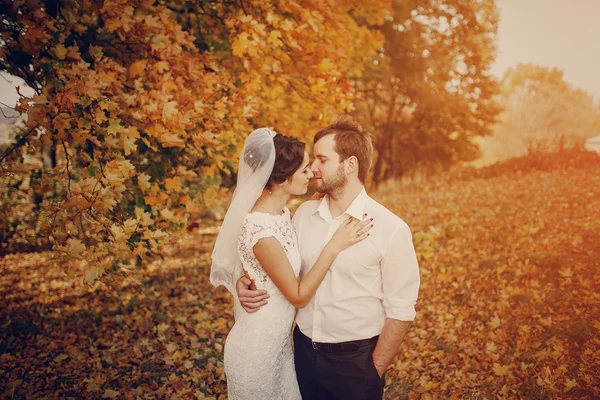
(400, 276)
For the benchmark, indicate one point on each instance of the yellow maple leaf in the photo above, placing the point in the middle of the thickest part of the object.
(144, 181)
(161, 66)
(274, 39)
(220, 109)
(158, 234)
(566, 272)
(495, 322)
(96, 52)
(287, 25)
(169, 109)
(129, 145)
(92, 274)
(73, 54)
(240, 44)
(74, 248)
(173, 183)
(501, 370)
(569, 384)
(326, 65)
(40, 99)
(144, 218)
(60, 51)
(118, 233)
(150, 200)
(172, 140)
(185, 199)
(133, 132)
(167, 214)
(69, 98)
(114, 127)
(209, 195)
(107, 105)
(100, 117)
(130, 225)
(171, 347)
(525, 366)
(162, 328)
(318, 86)
(159, 42)
(161, 197)
(168, 86)
(137, 68)
(310, 20)
(110, 394)
(117, 171)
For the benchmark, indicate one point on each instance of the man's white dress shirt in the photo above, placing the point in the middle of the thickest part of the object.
(368, 282)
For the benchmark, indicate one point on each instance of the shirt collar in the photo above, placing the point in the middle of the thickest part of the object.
(356, 209)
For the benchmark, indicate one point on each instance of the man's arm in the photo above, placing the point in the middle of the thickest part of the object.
(400, 276)
(251, 300)
(391, 337)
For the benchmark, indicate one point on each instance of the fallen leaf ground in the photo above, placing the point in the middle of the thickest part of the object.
(509, 304)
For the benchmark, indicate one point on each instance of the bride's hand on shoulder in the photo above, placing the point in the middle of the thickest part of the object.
(351, 232)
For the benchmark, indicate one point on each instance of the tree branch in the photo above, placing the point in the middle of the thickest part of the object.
(67, 166)
(19, 143)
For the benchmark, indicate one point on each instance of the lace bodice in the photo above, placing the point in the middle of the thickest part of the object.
(258, 225)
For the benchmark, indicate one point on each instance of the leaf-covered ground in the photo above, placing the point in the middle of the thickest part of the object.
(509, 304)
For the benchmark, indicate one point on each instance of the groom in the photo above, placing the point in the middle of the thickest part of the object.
(348, 333)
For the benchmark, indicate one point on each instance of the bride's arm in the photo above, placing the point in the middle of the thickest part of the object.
(274, 261)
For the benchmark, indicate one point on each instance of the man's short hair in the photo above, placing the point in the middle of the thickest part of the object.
(350, 140)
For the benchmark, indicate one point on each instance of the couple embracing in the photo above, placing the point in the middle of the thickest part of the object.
(345, 262)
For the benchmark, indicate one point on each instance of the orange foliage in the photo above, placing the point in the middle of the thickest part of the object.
(508, 306)
(144, 126)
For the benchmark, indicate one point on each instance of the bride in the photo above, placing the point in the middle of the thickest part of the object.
(257, 239)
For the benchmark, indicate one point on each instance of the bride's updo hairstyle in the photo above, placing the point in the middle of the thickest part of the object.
(289, 154)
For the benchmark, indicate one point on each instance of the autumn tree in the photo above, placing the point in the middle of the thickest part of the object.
(429, 92)
(542, 112)
(141, 108)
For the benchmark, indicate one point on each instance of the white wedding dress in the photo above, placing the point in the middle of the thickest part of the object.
(259, 360)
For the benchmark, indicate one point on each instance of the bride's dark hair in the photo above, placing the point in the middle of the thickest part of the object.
(289, 154)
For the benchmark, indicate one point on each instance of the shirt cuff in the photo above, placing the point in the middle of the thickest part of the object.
(401, 314)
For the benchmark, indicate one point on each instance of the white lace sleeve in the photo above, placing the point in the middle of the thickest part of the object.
(252, 231)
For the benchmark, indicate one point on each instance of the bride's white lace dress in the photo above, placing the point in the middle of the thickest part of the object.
(259, 360)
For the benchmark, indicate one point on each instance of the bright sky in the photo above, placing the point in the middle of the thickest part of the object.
(552, 33)
(8, 94)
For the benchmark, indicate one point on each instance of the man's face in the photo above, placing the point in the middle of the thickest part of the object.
(327, 167)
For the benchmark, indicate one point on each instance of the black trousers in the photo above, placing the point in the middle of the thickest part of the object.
(348, 375)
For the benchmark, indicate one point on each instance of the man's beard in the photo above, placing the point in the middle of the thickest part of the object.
(335, 184)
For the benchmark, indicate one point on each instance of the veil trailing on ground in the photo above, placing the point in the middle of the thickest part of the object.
(256, 164)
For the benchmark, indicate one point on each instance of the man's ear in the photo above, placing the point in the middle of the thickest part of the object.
(351, 165)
